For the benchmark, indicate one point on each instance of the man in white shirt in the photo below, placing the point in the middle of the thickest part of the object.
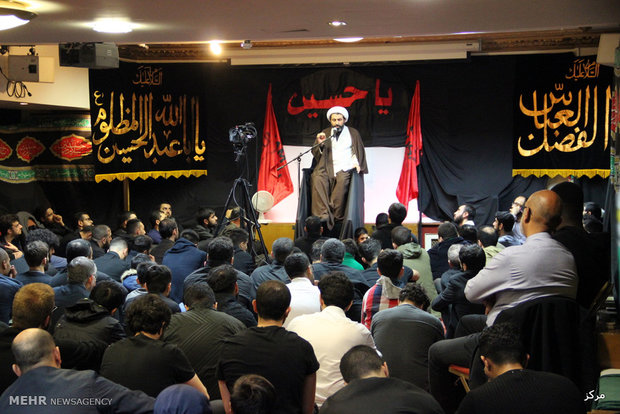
(305, 297)
(331, 333)
(341, 151)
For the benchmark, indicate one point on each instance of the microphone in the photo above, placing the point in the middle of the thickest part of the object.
(336, 131)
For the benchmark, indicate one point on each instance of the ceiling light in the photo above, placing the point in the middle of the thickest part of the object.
(23, 103)
(348, 39)
(13, 17)
(113, 26)
(337, 23)
(215, 47)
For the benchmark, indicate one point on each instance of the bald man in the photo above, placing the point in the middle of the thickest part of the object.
(540, 267)
(43, 387)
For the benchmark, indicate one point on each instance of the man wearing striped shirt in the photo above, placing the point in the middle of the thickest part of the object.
(384, 294)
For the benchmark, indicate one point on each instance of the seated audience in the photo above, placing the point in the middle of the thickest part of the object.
(113, 262)
(169, 231)
(242, 260)
(11, 235)
(407, 326)
(200, 332)
(269, 350)
(313, 231)
(182, 259)
(181, 399)
(90, 320)
(144, 362)
(384, 294)
(370, 389)
(305, 296)
(223, 281)
(32, 308)
(8, 286)
(488, 240)
(397, 213)
(512, 389)
(331, 333)
(438, 254)
(252, 394)
(37, 364)
(81, 280)
(332, 254)
(36, 254)
(503, 224)
(221, 251)
(76, 248)
(452, 299)
(280, 249)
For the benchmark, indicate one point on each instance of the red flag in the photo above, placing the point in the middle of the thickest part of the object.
(278, 183)
(408, 183)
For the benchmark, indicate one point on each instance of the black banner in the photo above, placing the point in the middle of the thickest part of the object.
(378, 105)
(146, 121)
(562, 117)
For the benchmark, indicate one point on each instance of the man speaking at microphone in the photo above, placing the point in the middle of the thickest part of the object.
(341, 151)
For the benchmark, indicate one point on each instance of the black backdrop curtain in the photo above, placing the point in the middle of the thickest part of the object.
(467, 112)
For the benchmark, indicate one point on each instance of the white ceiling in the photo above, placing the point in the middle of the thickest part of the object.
(290, 20)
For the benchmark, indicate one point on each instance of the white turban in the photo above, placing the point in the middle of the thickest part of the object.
(338, 110)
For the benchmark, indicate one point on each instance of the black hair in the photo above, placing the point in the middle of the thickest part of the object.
(336, 289)
(272, 300)
(358, 232)
(572, 200)
(6, 222)
(594, 209)
(313, 225)
(401, 235)
(390, 263)
(155, 217)
(281, 248)
(199, 295)
(252, 394)
(238, 236)
(204, 213)
(468, 232)
(222, 279)
(35, 252)
(122, 218)
(148, 313)
(370, 249)
(447, 231)
(77, 247)
(350, 247)
(142, 271)
(487, 235)
(501, 343)
(296, 265)
(473, 256)
(506, 218)
(43, 235)
(108, 294)
(140, 258)
(332, 251)
(415, 293)
(159, 277)
(397, 213)
(132, 226)
(317, 246)
(220, 251)
(358, 362)
(167, 227)
(142, 243)
(190, 235)
(381, 219)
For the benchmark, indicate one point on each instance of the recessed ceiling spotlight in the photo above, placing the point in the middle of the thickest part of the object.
(215, 47)
(337, 23)
(348, 39)
(113, 26)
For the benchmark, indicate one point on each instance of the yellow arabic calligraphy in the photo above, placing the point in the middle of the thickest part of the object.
(148, 76)
(170, 115)
(583, 69)
(577, 137)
